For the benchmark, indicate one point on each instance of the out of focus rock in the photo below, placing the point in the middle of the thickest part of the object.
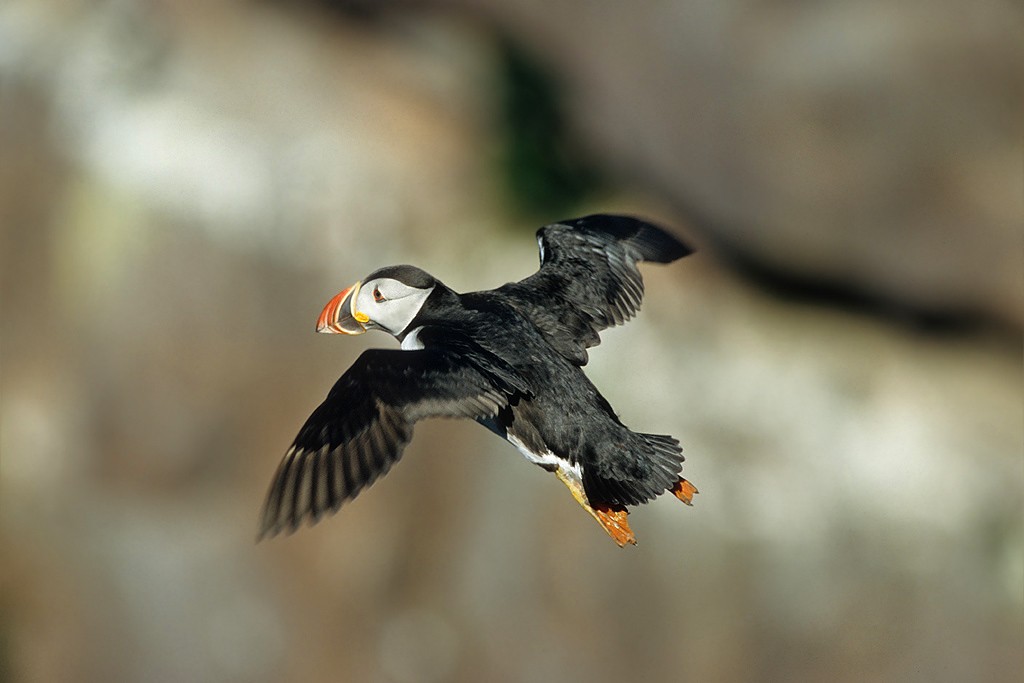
(869, 147)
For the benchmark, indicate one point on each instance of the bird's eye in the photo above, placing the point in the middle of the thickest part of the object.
(377, 296)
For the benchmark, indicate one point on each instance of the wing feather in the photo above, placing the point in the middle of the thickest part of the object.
(360, 430)
(588, 278)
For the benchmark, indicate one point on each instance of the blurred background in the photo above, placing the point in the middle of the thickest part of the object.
(183, 185)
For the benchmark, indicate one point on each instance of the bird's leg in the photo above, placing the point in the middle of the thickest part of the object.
(612, 520)
(684, 490)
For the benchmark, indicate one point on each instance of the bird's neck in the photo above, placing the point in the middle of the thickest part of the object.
(442, 307)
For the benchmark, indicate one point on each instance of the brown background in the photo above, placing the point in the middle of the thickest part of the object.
(183, 185)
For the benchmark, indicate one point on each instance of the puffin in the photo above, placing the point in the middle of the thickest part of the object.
(510, 358)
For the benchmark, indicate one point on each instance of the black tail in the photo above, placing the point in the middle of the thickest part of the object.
(635, 475)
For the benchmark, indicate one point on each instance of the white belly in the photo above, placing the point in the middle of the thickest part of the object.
(547, 459)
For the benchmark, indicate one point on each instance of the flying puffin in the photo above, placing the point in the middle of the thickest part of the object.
(510, 358)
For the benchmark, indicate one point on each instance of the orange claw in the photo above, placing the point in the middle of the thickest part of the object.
(684, 490)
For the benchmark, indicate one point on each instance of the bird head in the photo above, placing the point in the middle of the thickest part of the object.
(388, 299)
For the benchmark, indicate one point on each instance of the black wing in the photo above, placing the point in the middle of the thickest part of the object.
(361, 429)
(588, 278)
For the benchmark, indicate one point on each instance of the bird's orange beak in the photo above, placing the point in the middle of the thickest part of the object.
(340, 315)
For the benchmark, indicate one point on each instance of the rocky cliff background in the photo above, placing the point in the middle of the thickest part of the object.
(183, 185)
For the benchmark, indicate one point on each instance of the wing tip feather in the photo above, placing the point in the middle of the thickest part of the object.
(653, 242)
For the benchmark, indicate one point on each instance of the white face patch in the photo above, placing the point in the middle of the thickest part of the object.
(389, 304)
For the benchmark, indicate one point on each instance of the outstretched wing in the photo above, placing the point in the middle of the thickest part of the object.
(361, 429)
(588, 278)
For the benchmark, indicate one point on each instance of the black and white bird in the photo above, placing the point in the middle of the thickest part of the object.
(510, 358)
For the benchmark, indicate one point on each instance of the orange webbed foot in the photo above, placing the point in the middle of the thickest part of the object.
(615, 523)
(613, 520)
(684, 491)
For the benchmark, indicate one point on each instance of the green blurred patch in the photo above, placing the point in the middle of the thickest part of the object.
(545, 170)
